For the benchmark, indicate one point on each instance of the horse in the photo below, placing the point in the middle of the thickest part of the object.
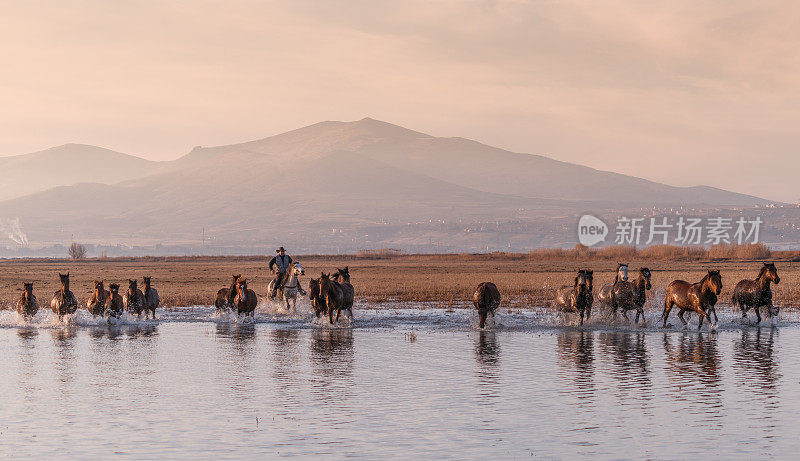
(627, 295)
(246, 299)
(314, 296)
(486, 299)
(290, 288)
(604, 295)
(64, 301)
(757, 293)
(332, 296)
(151, 298)
(577, 297)
(114, 302)
(133, 299)
(348, 291)
(700, 297)
(225, 296)
(27, 306)
(96, 305)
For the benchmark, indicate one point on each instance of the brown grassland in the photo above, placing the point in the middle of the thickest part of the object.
(528, 279)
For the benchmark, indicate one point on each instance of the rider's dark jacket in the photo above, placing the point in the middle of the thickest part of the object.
(280, 262)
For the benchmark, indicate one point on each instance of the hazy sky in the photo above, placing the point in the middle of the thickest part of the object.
(680, 92)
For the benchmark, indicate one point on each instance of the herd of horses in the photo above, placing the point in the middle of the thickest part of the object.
(330, 293)
(333, 293)
(102, 302)
(624, 295)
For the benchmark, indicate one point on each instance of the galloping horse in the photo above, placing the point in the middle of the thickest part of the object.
(290, 288)
(27, 306)
(757, 293)
(604, 295)
(114, 302)
(627, 295)
(578, 297)
(332, 296)
(315, 297)
(96, 305)
(133, 298)
(348, 292)
(64, 301)
(486, 299)
(699, 297)
(151, 298)
(225, 296)
(246, 299)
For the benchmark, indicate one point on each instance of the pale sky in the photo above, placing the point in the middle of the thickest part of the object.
(682, 92)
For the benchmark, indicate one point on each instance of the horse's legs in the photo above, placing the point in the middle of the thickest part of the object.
(625, 315)
(667, 309)
(338, 311)
(581, 314)
(683, 320)
(716, 318)
(758, 314)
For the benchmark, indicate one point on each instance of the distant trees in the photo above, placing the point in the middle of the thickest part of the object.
(77, 251)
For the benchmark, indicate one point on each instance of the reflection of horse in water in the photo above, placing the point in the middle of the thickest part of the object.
(332, 357)
(693, 363)
(627, 352)
(487, 351)
(754, 357)
(575, 351)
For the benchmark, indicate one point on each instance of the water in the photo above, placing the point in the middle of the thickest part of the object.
(398, 383)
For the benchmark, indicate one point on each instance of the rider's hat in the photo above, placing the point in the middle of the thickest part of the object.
(280, 249)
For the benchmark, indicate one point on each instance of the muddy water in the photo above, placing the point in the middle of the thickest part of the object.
(396, 383)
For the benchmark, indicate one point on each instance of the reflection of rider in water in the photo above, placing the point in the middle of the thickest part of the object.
(279, 265)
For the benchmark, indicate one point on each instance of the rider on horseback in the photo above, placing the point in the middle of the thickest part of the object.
(279, 265)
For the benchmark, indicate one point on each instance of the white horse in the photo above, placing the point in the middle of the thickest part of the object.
(290, 288)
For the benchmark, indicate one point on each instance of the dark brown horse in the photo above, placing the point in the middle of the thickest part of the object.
(151, 298)
(700, 297)
(246, 299)
(114, 302)
(332, 295)
(348, 292)
(486, 299)
(225, 296)
(626, 295)
(757, 293)
(134, 298)
(314, 296)
(64, 302)
(578, 297)
(96, 305)
(27, 306)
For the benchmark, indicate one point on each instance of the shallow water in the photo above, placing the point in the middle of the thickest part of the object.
(396, 383)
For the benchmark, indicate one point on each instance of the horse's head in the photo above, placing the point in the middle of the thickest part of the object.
(645, 274)
(622, 272)
(581, 281)
(28, 289)
(344, 273)
(770, 272)
(98, 286)
(714, 279)
(589, 274)
(298, 269)
(146, 281)
(113, 288)
(64, 279)
(133, 285)
(241, 286)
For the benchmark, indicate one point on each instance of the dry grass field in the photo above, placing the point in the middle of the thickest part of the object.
(444, 280)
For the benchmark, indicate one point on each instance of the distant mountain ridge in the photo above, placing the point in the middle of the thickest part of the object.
(328, 185)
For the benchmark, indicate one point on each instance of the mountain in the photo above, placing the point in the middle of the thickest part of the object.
(66, 165)
(334, 186)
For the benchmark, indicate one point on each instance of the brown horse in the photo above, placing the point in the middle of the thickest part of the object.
(332, 295)
(96, 305)
(151, 298)
(604, 295)
(627, 295)
(314, 296)
(578, 297)
(27, 306)
(246, 299)
(486, 299)
(134, 299)
(348, 291)
(114, 302)
(700, 297)
(225, 296)
(757, 293)
(64, 301)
